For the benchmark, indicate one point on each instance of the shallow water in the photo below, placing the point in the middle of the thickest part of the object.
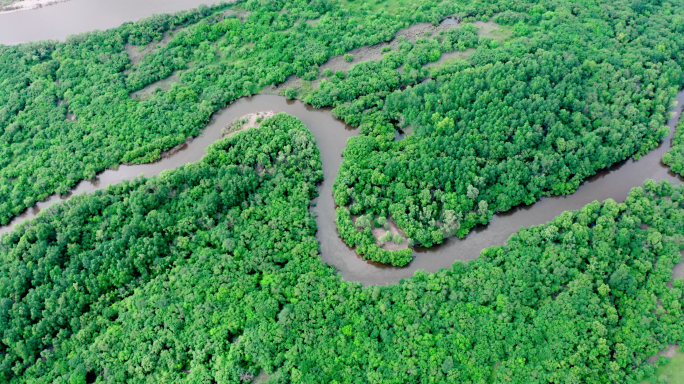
(76, 16)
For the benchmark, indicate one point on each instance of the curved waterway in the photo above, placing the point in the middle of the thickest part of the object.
(76, 16)
(331, 135)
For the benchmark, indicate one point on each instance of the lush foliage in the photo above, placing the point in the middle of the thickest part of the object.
(534, 116)
(518, 120)
(675, 156)
(365, 242)
(180, 278)
(211, 272)
(90, 77)
(69, 270)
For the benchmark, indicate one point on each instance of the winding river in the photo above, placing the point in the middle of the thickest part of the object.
(331, 135)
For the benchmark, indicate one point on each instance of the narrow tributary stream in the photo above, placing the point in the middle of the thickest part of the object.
(331, 135)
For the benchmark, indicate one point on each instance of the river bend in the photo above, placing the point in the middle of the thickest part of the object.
(331, 136)
(56, 22)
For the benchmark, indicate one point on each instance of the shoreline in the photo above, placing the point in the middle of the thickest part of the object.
(29, 5)
(245, 122)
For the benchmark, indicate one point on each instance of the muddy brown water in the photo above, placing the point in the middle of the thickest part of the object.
(331, 135)
(56, 22)
(76, 16)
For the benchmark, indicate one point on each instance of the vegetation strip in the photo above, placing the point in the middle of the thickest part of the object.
(211, 271)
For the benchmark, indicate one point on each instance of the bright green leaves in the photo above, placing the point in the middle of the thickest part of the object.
(359, 235)
(675, 156)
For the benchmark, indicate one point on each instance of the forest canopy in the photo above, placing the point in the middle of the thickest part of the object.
(69, 110)
(512, 123)
(516, 119)
(211, 272)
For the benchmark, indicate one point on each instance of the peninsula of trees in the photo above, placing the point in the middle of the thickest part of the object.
(211, 272)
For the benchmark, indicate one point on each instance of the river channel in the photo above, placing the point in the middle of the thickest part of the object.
(76, 16)
(331, 135)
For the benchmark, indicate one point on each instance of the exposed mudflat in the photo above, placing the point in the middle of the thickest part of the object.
(449, 56)
(242, 15)
(335, 63)
(250, 120)
(677, 271)
(489, 29)
(136, 53)
(313, 22)
(163, 84)
(411, 33)
(291, 81)
(394, 230)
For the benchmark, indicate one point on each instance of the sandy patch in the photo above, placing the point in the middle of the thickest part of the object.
(488, 29)
(394, 230)
(136, 53)
(450, 56)
(669, 353)
(262, 377)
(250, 120)
(27, 5)
(313, 22)
(677, 271)
(163, 84)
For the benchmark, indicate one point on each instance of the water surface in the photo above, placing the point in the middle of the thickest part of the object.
(76, 16)
(331, 135)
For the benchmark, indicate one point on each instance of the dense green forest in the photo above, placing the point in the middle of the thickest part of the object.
(211, 273)
(574, 89)
(90, 77)
(675, 156)
(515, 122)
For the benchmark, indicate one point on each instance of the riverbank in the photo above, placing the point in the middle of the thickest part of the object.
(250, 120)
(78, 16)
(29, 5)
(331, 137)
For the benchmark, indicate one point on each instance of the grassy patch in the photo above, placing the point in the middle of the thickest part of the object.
(374, 6)
(671, 373)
